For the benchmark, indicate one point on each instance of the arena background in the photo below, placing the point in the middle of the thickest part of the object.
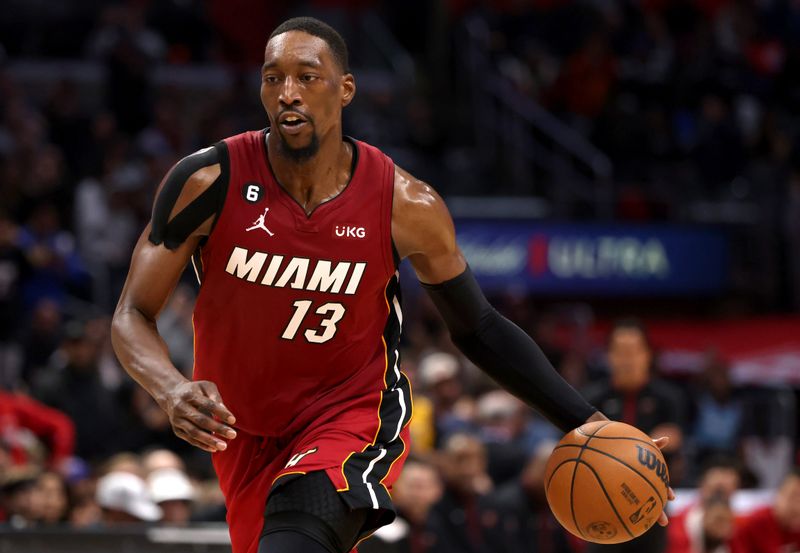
(601, 158)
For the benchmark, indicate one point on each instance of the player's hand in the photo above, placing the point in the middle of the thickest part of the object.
(663, 520)
(197, 415)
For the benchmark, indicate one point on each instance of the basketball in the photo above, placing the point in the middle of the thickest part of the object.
(606, 482)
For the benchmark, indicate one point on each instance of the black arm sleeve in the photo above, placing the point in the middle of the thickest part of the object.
(173, 232)
(505, 352)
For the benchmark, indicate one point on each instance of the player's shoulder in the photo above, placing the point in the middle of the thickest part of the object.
(409, 193)
(193, 174)
(199, 167)
(413, 193)
(194, 187)
(420, 219)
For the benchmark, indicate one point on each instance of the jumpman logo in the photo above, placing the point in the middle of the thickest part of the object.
(259, 223)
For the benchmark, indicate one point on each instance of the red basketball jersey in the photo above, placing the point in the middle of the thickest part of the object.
(298, 316)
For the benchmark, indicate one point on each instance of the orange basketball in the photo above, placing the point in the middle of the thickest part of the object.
(606, 482)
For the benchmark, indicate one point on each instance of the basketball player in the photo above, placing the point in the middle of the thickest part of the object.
(296, 233)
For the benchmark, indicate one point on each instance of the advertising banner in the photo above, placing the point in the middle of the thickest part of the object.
(593, 259)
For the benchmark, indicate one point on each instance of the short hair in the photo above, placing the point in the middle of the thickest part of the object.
(460, 437)
(321, 30)
(721, 462)
(630, 323)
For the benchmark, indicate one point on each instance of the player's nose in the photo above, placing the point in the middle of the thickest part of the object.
(290, 92)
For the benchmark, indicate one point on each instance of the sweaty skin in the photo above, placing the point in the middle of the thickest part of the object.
(300, 79)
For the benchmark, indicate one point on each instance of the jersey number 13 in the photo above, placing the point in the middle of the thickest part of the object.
(332, 313)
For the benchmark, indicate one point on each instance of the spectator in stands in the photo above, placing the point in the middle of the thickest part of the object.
(768, 444)
(158, 459)
(688, 530)
(19, 497)
(719, 413)
(417, 489)
(523, 522)
(587, 77)
(124, 499)
(13, 273)
(125, 461)
(84, 510)
(106, 224)
(26, 424)
(510, 433)
(54, 494)
(78, 391)
(441, 377)
(57, 270)
(711, 532)
(44, 182)
(175, 327)
(129, 49)
(172, 491)
(776, 528)
(634, 396)
(39, 339)
(455, 521)
(6, 462)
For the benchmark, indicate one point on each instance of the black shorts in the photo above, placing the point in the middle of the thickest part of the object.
(310, 505)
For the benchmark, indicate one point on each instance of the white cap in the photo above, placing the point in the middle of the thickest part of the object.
(126, 492)
(170, 485)
(498, 404)
(437, 367)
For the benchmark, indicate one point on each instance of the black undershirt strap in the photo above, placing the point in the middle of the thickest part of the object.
(173, 232)
(505, 352)
(192, 216)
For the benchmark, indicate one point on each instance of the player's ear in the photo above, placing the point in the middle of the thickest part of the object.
(348, 88)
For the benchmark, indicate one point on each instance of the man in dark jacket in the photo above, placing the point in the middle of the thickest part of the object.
(525, 523)
(633, 396)
(455, 523)
(78, 391)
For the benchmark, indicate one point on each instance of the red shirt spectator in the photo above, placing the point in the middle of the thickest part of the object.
(692, 530)
(21, 418)
(706, 529)
(773, 529)
(585, 82)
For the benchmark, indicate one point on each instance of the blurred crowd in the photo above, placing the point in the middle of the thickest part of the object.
(683, 95)
(693, 101)
(689, 97)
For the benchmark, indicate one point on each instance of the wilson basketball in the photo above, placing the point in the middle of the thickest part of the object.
(606, 482)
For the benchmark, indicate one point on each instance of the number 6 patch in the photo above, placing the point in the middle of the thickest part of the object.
(252, 192)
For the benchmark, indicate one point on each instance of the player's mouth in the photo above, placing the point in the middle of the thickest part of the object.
(292, 122)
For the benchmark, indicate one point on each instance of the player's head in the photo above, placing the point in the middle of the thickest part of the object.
(629, 355)
(305, 84)
(717, 521)
(719, 476)
(464, 463)
(417, 489)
